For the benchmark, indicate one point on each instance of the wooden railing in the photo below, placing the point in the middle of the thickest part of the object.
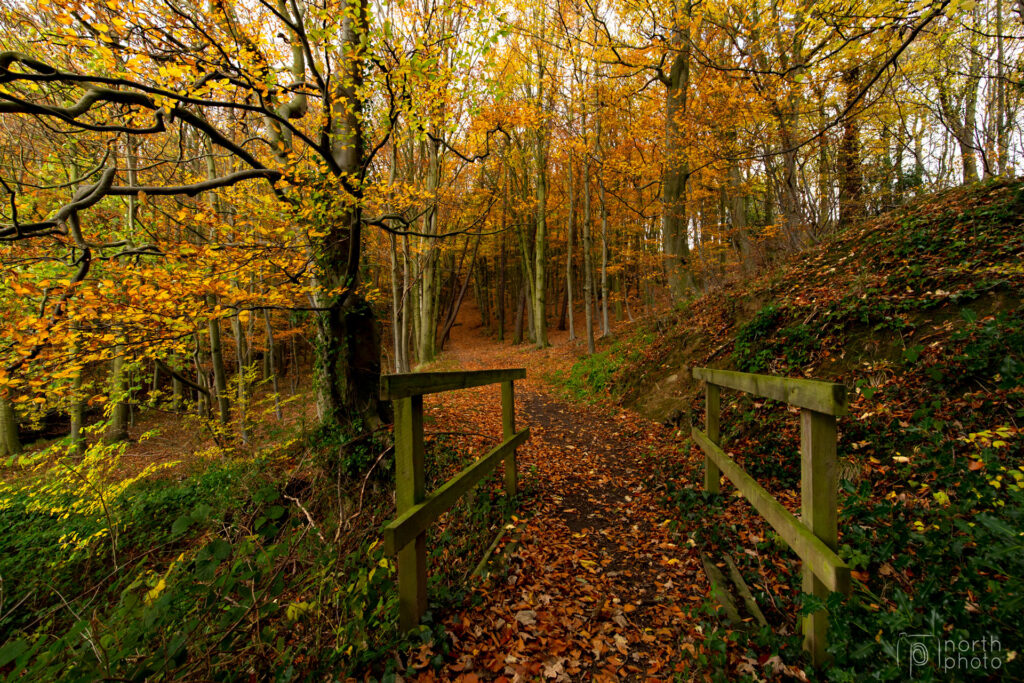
(406, 534)
(814, 538)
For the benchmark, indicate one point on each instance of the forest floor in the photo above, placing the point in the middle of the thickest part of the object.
(597, 586)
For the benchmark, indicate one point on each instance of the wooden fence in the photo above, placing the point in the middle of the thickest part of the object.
(814, 538)
(406, 534)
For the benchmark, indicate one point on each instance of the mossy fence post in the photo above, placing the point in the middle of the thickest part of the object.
(409, 491)
(818, 488)
(814, 537)
(406, 535)
(508, 428)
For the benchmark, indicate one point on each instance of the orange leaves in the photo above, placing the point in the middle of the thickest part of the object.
(597, 587)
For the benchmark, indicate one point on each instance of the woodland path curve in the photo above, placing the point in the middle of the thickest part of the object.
(598, 587)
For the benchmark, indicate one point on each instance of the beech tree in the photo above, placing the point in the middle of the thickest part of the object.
(285, 105)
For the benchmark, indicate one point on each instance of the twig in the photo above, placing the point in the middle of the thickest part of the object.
(86, 634)
(362, 491)
(717, 351)
(309, 517)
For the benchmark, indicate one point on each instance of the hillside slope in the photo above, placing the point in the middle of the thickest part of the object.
(919, 313)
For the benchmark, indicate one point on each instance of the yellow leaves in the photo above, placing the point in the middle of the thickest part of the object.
(962, 5)
(155, 591)
(296, 610)
(172, 72)
(997, 438)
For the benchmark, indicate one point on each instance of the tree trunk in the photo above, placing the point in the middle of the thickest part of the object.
(738, 216)
(588, 265)
(483, 301)
(517, 334)
(203, 401)
(526, 242)
(676, 171)
(851, 195)
(220, 382)
(407, 305)
(10, 443)
(242, 358)
(963, 125)
(1002, 117)
(397, 293)
(271, 365)
(117, 430)
(457, 302)
(570, 237)
(966, 139)
(396, 305)
(504, 270)
(347, 376)
(428, 272)
(540, 238)
(824, 178)
(605, 329)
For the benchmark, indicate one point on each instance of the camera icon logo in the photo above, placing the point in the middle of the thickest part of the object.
(915, 649)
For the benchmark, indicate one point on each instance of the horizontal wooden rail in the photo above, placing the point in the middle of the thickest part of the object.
(406, 527)
(819, 558)
(822, 397)
(815, 536)
(418, 383)
(406, 535)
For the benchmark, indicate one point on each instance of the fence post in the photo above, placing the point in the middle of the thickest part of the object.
(712, 410)
(818, 493)
(508, 424)
(409, 490)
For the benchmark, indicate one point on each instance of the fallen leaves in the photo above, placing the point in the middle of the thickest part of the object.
(597, 587)
(526, 617)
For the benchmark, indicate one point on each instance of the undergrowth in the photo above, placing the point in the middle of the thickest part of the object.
(593, 378)
(250, 568)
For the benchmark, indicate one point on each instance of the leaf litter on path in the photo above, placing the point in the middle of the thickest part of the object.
(597, 588)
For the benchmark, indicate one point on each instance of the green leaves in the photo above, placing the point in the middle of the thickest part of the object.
(11, 650)
(199, 514)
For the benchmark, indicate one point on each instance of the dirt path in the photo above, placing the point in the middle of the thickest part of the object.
(598, 587)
